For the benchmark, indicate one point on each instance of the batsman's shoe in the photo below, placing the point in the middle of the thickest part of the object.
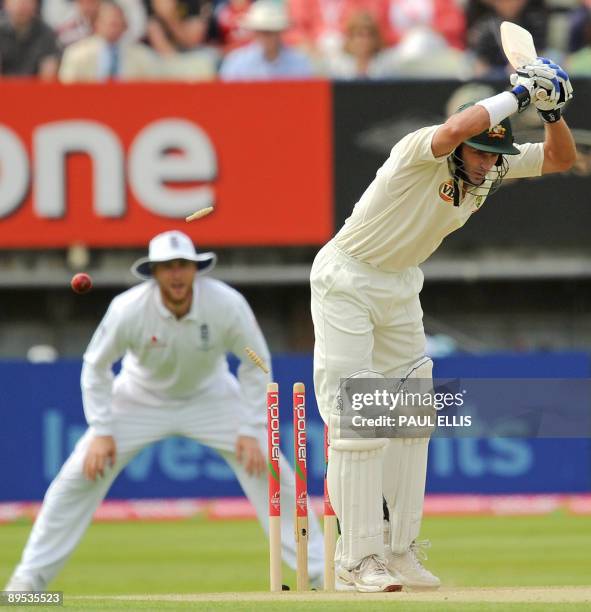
(409, 567)
(370, 576)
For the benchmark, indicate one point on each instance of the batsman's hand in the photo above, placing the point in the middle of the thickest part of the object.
(101, 455)
(544, 81)
(550, 108)
(248, 453)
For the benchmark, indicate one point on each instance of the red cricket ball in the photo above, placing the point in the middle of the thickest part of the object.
(81, 282)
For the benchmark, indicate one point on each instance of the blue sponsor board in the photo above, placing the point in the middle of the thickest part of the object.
(42, 418)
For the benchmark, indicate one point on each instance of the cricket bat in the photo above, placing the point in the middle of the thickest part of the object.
(519, 49)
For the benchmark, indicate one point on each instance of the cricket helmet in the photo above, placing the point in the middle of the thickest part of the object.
(498, 139)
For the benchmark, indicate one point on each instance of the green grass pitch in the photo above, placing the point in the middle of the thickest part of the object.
(231, 556)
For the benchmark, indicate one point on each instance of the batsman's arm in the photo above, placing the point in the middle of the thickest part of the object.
(107, 345)
(459, 127)
(243, 330)
(481, 116)
(560, 152)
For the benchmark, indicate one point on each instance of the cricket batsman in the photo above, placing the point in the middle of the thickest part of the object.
(367, 314)
(173, 332)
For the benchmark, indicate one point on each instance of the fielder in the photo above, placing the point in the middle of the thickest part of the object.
(367, 315)
(173, 332)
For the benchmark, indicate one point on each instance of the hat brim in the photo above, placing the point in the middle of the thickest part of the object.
(257, 24)
(142, 268)
(501, 150)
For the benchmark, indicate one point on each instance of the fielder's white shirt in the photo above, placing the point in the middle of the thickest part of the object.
(169, 361)
(408, 210)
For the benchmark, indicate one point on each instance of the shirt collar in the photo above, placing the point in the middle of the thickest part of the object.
(261, 54)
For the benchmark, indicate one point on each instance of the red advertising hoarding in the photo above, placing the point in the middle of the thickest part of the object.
(111, 165)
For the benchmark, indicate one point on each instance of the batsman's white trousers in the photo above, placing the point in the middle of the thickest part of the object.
(212, 419)
(368, 320)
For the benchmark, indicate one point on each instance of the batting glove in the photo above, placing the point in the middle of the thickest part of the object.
(549, 109)
(541, 82)
(523, 89)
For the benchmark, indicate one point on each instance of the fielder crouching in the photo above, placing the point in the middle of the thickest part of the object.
(367, 315)
(173, 332)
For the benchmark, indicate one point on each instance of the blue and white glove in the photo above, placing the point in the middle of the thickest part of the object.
(524, 85)
(549, 108)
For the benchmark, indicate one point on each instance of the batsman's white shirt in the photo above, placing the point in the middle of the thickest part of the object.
(408, 210)
(169, 362)
(367, 317)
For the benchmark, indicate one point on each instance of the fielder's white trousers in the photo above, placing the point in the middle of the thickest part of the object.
(368, 320)
(212, 419)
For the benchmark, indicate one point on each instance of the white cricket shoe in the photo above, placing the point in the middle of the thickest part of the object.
(370, 576)
(409, 567)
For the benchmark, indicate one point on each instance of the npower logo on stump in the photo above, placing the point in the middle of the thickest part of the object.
(111, 165)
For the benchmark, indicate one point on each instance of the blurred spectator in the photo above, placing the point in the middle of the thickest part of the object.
(579, 63)
(229, 17)
(104, 56)
(178, 25)
(425, 54)
(445, 17)
(484, 39)
(579, 23)
(267, 57)
(80, 23)
(362, 55)
(318, 25)
(28, 46)
(70, 18)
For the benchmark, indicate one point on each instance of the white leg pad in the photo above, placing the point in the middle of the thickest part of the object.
(405, 469)
(404, 475)
(355, 488)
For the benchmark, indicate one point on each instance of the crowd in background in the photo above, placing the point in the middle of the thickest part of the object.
(98, 40)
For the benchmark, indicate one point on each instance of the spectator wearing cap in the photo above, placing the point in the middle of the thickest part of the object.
(267, 57)
(28, 46)
(104, 55)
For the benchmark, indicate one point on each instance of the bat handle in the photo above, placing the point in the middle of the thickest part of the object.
(541, 94)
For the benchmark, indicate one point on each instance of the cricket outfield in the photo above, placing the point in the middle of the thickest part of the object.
(485, 563)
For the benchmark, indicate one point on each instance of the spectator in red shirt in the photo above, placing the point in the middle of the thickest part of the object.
(229, 17)
(319, 25)
(445, 17)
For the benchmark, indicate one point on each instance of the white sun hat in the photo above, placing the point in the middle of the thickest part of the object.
(168, 246)
(266, 16)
